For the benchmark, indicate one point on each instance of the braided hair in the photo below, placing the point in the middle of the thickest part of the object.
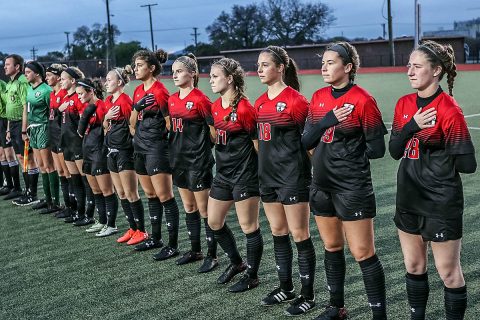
(190, 62)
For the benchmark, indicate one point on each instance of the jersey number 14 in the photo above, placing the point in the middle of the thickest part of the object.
(177, 124)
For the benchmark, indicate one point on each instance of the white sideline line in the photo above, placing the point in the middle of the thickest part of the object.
(388, 122)
(474, 128)
(472, 115)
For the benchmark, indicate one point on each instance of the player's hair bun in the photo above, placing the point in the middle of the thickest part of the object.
(161, 55)
(191, 55)
(128, 69)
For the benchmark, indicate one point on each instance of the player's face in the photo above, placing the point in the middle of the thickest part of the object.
(30, 75)
(218, 80)
(52, 79)
(334, 72)
(112, 83)
(267, 70)
(10, 67)
(420, 71)
(181, 76)
(84, 95)
(66, 82)
(142, 70)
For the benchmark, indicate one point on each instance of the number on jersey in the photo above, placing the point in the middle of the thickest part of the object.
(264, 131)
(221, 137)
(328, 135)
(411, 150)
(177, 124)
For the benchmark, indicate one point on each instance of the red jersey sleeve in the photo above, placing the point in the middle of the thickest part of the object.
(247, 118)
(372, 123)
(299, 110)
(397, 123)
(457, 137)
(205, 110)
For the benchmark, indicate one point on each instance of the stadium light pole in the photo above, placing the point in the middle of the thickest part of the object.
(150, 5)
(390, 34)
(68, 44)
(417, 25)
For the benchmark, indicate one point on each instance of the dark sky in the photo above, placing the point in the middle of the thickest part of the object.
(41, 23)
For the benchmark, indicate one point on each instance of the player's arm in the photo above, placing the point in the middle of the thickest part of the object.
(85, 118)
(375, 148)
(24, 123)
(465, 163)
(213, 134)
(133, 121)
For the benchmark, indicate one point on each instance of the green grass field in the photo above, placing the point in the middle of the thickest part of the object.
(51, 270)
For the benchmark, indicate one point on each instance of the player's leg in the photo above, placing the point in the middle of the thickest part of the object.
(78, 189)
(89, 197)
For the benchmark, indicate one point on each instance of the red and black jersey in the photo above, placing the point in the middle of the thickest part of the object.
(189, 133)
(70, 118)
(235, 155)
(427, 182)
(118, 133)
(151, 132)
(283, 161)
(55, 118)
(94, 138)
(340, 163)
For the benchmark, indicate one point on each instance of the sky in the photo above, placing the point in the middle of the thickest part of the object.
(42, 24)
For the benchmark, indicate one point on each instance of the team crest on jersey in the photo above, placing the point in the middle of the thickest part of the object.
(349, 105)
(58, 99)
(233, 117)
(38, 94)
(281, 106)
(189, 105)
(71, 102)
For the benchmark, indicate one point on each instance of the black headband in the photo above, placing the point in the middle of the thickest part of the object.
(72, 73)
(278, 56)
(85, 84)
(425, 48)
(55, 71)
(36, 68)
(342, 52)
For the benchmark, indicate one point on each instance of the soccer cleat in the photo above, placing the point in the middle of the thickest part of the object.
(278, 296)
(126, 236)
(333, 313)
(209, 263)
(106, 231)
(51, 208)
(188, 257)
(14, 194)
(245, 283)
(137, 237)
(97, 227)
(231, 271)
(300, 306)
(25, 201)
(83, 222)
(73, 218)
(148, 244)
(41, 204)
(65, 213)
(166, 253)
(5, 190)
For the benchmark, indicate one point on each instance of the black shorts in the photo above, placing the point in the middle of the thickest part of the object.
(55, 148)
(436, 229)
(284, 195)
(16, 136)
(348, 206)
(72, 153)
(95, 168)
(227, 192)
(192, 180)
(120, 160)
(3, 133)
(151, 164)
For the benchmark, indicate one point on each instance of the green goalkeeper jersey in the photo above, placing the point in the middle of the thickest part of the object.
(38, 104)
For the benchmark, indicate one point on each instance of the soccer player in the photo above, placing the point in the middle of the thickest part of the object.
(284, 175)
(90, 128)
(16, 99)
(5, 176)
(71, 144)
(118, 140)
(345, 129)
(35, 123)
(152, 123)
(191, 156)
(53, 73)
(430, 136)
(236, 179)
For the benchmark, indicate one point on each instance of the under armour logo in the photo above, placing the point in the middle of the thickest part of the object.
(108, 213)
(137, 220)
(439, 235)
(189, 233)
(199, 185)
(412, 309)
(209, 239)
(321, 104)
(243, 195)
(358, 214)
(293, 198)
(155, 170)
(126, 217)
(405, 116)
(375, 305)
(154, 218)
(169, 224)
(307, 276)
(278, 267)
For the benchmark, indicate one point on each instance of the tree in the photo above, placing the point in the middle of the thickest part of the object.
(292, 22)
(53, 56)
(124, 52)
(245, 27)
(92, 43)
(203, 49)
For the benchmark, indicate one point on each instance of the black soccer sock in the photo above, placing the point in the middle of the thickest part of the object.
(127, 209)
(71, 194)
(306, 267)
(254, 252)
(170, 208)
(211, 241)
(46, 187)
(192, 220)
(7, 174)
(15, 174)
(374, 280)
(335, 274)
(155, 210)
(33, 181)
(283, 258)
(455, 302)
(90, 198)
(138, 214)
(226, 240)
(79, 191)
(1, 175)
(101, 208)
(54, 187)
(111, 206)
(65, 193)
(26, 182)
(417, 293)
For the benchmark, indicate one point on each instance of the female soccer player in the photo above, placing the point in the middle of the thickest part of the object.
(236, 180)
(430, 135)
(191, 156)
(152, 123)
(35, 123)
(345, 128)
(95, 153)
(284, 175)
(118, 140)
(71, 144)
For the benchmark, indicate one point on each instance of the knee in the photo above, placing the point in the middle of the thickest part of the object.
(300, 234)
(333, 245)
(451, 276)
(188, 206)
(362, 252)
(215, 224)
(165, 196)
(415, 266)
